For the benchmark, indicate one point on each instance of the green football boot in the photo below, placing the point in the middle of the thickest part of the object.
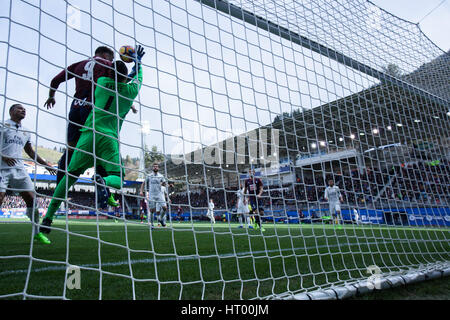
(112, 202)
(40, 237)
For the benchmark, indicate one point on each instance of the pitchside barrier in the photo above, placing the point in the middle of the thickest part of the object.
(413, 217)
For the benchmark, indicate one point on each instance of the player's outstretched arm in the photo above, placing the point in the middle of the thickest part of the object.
(50, 102)
(261, 190)
(61, 77)
(33, 155)
(137, 59)
(167, 197)
(133, 87)
(141, 190)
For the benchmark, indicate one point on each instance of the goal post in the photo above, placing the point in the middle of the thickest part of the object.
(303, 146)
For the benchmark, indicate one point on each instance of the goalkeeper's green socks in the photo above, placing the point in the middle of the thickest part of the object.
(115, 182)
(58, 195)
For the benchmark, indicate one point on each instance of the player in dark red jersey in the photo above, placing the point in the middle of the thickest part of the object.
(86, 73)
(254, 189)
(179, 214)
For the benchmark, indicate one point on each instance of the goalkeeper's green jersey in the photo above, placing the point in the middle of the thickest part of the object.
(108, 113)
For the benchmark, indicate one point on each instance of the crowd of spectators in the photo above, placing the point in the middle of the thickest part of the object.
(13, 201)
(199, 199)
(420, 181)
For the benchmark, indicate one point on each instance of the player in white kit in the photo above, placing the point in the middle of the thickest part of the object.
(210, 213)
(242, 206)
(13, 139)
(334, 198)
(153, 193)
(163, 215)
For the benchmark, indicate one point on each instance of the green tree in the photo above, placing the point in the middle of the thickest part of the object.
(151, 156)
(393, 70)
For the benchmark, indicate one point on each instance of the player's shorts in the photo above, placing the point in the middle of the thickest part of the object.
(106, 154)
(16, 179)
(77, 116)
(256, 204)
(156, 204)
(242, 208)
(335, 207)
(210, 214)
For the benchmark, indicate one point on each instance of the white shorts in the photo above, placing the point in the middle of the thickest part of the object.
(156, 204)
(210, 214)
(16, 179)
(335, 207)
(242, 208)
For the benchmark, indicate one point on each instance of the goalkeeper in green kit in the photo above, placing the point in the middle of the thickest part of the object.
(113, 100)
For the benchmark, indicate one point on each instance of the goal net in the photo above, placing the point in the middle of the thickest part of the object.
(278, 99)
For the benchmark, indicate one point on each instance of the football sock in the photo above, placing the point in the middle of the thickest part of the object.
(62, 165)
(152, 217)
(59, 195)
(162, 217)
(258, 220)
(34, 218)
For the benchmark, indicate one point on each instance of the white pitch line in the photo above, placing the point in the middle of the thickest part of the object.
(190, 257)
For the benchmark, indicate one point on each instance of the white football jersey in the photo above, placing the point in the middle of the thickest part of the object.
(332, 193)
(153, 183)
(163, 192)
(211, 206)
(13, 139)
(241, 206)
(240, 196)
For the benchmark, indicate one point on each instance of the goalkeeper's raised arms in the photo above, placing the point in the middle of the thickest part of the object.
(139, 53)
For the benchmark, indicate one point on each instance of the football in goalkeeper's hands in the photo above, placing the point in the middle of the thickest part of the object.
(127, 53)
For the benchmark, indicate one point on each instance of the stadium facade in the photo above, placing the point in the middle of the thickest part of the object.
(379, 130)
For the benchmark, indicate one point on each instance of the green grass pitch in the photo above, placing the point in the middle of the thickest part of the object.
(127, 260)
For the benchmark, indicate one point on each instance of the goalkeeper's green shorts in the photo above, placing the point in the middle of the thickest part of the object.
(106, 153)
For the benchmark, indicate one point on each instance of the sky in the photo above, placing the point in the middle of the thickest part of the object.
(433, 25)
(206, 76)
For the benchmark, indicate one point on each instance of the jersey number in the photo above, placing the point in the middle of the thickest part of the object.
(89, 68)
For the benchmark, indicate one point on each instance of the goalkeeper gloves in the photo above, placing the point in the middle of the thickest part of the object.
(137, 56)
(139, 53)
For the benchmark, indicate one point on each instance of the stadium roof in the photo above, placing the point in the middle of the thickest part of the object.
(433, 77)
(385, 114)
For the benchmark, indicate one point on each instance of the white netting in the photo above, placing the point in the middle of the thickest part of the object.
(302, 91)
